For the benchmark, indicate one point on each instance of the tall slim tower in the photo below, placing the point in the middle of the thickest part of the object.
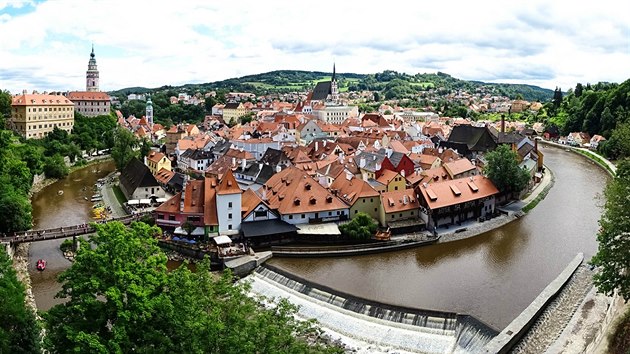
(91, 75)
(149, 112)
(334, 89)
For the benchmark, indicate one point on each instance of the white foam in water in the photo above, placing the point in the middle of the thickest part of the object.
(364, 333)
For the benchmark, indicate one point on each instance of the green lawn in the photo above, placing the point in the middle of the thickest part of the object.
(120, 196)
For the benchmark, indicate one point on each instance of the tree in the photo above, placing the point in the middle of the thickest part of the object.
(5, 107)
(578, 90)
(19, 329)
(122, 152)
(121, 298)
(361, 227)
(618, 146)
(502, 168)
(55, 167)
(145, 147)
(15, 208)
(115, 293)
(613, 254)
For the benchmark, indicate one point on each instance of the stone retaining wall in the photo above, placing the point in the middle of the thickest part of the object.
(505, 340)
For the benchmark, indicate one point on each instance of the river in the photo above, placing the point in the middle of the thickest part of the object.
(493, 276)
(51, 210)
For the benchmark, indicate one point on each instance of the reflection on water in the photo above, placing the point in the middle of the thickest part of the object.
(50, 210)
(493, 276)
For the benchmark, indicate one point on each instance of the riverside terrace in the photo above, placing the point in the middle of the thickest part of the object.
(63, 232)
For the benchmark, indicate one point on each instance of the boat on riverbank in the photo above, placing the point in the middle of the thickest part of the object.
(41, 264)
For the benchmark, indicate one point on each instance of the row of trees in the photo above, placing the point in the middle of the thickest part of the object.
(121, 298)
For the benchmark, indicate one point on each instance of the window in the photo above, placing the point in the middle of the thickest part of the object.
(363, 200)
(303, 216)
(230, 216)
(375, 209)
(160, 216)
(392, 216)
(171, 217)
(401, 215)
(356, 211)
(290, 217)
(371, 200)
(329, 213)
(230, 227)
(260, 213)
(230, 206)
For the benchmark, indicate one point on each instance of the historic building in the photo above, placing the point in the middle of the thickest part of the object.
(91, 102)
(34, 116)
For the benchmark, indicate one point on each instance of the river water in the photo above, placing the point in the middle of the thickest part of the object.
(51, 210)
(493, 276)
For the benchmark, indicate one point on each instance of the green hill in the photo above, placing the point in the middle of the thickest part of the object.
(392, 84)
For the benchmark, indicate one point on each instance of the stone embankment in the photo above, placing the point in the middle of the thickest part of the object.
(551, 323)
(20, 264)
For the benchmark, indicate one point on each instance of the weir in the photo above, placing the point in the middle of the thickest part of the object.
(415, 330)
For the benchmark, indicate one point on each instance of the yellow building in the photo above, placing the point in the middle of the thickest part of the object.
(358, 194)
(392, 180)
(233, 111)
(34, 116)
(157, 161)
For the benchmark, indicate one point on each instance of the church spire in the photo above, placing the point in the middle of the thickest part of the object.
(333, 75)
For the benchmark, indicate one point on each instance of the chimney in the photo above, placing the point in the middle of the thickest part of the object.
(536, 145)
(316, 146)
(243, 164)
(278, 168)
(362, 162)
(377, 167)
(402, 173)
(503, 123)
(233, 161)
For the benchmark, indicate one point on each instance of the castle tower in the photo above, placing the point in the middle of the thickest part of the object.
(91, 75)
(334, 89)
(149, 112)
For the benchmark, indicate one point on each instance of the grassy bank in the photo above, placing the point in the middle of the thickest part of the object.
(598, 160)
(542, 194)
(120, 196)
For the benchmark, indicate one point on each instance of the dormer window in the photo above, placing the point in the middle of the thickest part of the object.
(329, 199)
(296, 201)
(313, 201)
(308, 186)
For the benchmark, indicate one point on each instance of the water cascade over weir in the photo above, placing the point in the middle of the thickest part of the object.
(413, 330)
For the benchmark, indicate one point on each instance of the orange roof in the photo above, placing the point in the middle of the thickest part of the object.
(440, 194)
(53, 100)
(398, 146)
(164, 175)
(193, 197)
(350, 189)
(88, 96)
(293, 191)
(209, 202)
(457, 167)
(249, 201)
(155, 156)
(238, 154)
(396, 201)
(171, 205)
(228, 184)
(387, 176)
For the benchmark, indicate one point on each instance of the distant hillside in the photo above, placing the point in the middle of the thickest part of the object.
(391, 84)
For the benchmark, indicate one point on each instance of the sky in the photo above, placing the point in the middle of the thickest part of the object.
(45, 45)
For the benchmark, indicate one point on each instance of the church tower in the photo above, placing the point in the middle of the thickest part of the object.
(91, 75)
(334, 89)
(149, 112)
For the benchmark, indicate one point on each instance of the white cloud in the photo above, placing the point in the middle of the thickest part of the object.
(546, 43)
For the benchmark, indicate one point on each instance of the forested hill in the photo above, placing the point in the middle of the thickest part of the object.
(391, 84)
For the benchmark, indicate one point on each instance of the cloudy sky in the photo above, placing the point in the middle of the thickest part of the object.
(45, 45)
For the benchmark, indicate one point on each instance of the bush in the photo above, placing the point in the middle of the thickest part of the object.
(619, 338)
(362, 227)
(66, 245)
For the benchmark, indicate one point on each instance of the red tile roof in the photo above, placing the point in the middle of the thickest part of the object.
(350, 189)
(440, 194)
(457, 167)
(396, 201)
(228, 184)
(88, 96)
(293, 191)
(53, 100)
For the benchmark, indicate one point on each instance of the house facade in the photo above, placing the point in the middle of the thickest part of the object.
(453, 201)
(34, 116)
(157, 161)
